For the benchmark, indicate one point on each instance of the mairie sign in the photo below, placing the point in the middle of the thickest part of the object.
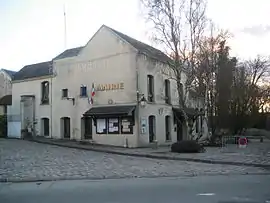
(106, 87)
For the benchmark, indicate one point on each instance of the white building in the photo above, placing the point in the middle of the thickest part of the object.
(133, 104)
(5, 89)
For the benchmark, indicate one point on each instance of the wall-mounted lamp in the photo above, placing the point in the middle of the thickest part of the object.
(71, 98)
(141, 99)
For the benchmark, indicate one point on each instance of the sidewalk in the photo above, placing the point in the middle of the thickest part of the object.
(256, 154)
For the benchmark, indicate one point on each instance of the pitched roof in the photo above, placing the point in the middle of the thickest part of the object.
(44, 68)
(6, 100)
(34, 70)
(142, 47)
(69, 53)
(9, 72)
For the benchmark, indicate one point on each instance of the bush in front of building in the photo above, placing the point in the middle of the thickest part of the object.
(187, 146)
(3, 126)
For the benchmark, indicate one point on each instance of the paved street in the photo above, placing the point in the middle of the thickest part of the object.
(24, 160)
(202, 189)
(255, 154)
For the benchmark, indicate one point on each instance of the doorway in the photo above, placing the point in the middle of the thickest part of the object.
(87, 128)
(45, 126)
(152, 126)
(65, 121)
(168, 128)
(179, 131)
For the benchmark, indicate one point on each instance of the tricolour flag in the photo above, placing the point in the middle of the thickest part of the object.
(93, 90)
(90, 99)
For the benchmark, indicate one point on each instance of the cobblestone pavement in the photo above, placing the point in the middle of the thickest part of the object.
(23, 160)
(255, 153)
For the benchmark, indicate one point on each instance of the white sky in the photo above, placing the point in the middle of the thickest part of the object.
(32, 31)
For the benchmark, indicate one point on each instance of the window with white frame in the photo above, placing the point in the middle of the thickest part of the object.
(101, 126)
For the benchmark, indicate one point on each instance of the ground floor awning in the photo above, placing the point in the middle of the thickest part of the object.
(6, 100)
(106, 111)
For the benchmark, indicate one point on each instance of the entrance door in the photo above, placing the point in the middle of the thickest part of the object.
(66, 130)
(45, 126)
(179, 131)
(151, 124)
(87, 128)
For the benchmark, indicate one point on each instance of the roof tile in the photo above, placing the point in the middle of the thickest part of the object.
(34, 70)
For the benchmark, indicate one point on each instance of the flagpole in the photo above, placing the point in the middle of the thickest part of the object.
(65, 28)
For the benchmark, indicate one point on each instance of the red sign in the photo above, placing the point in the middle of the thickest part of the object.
(242, 141)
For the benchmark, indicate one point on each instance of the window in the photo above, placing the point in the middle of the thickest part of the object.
(168, 128)
(127, 125)
(167, 92)
(83, 91)
(101, 127)
(113, 124)
(181, 90)
(45, 92)
(150, 87)
(64, 93)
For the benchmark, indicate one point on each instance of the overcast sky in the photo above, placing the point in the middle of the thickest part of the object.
(32, 31)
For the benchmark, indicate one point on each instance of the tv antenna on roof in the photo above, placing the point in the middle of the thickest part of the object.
(65, 28)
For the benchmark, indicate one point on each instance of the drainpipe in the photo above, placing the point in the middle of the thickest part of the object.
(51, 102)
(138, 97)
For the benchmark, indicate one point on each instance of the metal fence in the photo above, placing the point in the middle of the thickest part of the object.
(229, 139)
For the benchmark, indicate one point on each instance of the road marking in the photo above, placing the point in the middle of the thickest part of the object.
(241, 198)
(206, 194)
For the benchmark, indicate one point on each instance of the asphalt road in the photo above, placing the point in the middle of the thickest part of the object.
(208, 189)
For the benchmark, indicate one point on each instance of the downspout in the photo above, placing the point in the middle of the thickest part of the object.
(138, 97)
(51, 102)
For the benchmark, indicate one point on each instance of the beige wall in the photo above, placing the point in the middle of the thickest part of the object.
(158, 108)
(105, 60)
(30, 87)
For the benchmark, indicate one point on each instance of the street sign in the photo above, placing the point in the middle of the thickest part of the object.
(242, 142)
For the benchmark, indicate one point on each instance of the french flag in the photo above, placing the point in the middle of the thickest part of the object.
(93, 93)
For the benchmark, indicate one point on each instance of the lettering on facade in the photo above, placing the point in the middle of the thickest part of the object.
(106, 87)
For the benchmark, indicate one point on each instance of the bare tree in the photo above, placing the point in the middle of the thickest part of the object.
(178, 26)
(206, 70)
(257, 73)
(251, 89)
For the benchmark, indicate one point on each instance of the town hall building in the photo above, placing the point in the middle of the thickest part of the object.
(110, 91)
